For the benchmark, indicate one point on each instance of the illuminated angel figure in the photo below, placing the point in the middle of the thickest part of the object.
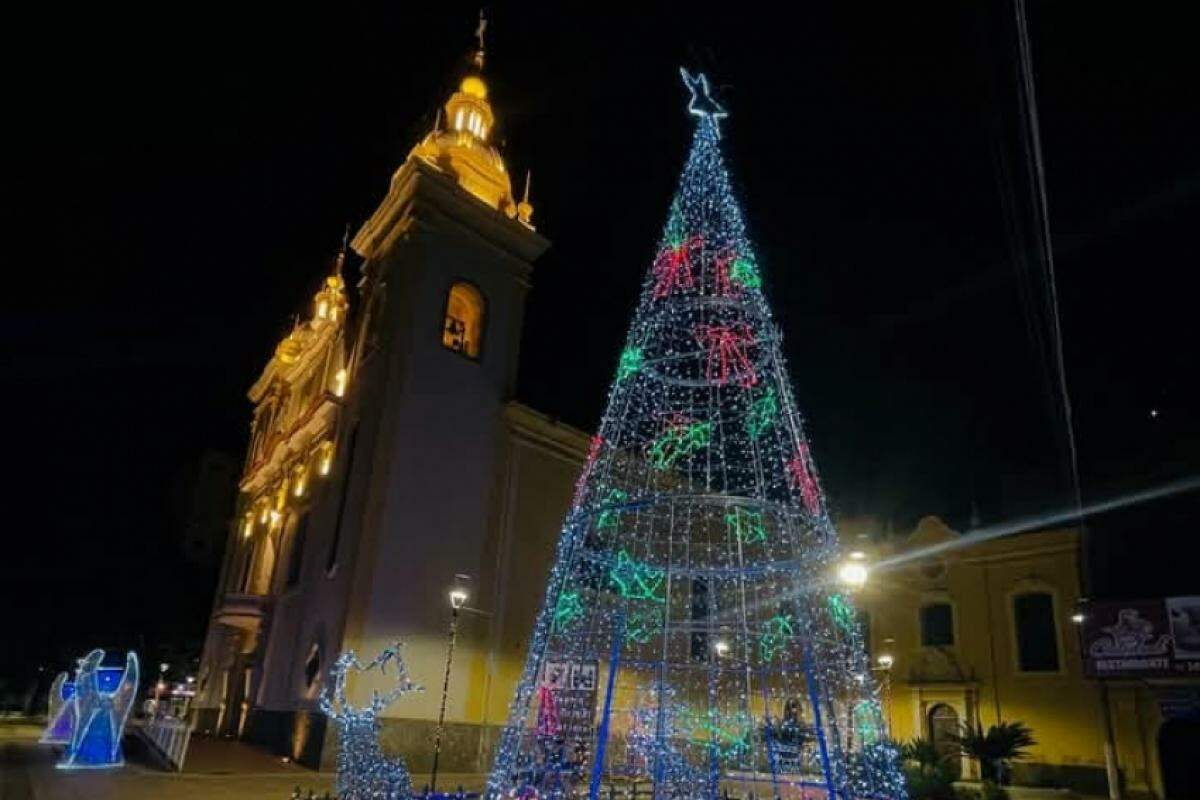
(363, 771)
(61, 712)
(103, 699)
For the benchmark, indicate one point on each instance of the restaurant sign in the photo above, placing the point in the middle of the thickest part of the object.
(1142, 638)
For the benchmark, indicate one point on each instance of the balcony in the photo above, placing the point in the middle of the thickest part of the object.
(245, 611)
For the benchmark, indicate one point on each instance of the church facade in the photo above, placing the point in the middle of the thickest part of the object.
(389, 464)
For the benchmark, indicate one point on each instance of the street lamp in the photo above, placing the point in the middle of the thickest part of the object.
(722, 648)
(853, 572)
(458, 599)
(161, 685)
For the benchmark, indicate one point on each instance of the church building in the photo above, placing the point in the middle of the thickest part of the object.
(390, 464)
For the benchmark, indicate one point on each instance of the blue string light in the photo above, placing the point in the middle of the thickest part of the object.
(698, 551)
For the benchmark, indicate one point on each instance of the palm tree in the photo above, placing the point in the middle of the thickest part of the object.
(926, 772)
(995, 750)
(923, 753)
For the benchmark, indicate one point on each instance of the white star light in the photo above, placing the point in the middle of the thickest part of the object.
(702, 103)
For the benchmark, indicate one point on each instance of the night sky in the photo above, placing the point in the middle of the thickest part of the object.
(185, 173)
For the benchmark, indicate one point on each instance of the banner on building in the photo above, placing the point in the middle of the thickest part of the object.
(1142, 638)
(570, 688)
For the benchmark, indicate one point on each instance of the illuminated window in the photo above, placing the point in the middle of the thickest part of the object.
(462, 330)
(1037, 634)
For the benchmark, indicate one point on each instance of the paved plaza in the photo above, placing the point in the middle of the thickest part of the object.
(215, 770)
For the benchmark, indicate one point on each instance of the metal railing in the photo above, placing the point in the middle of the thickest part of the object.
(169, 736)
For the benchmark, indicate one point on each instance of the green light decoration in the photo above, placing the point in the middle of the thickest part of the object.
(747, 526)
(642, 625)
(866, 722)
(567, 611)
(745, 274)
(609, 517)
(677, 441)
(776, 632)
(842, 612)
(762, 413)
(676, 230)
(728, 736)
(635, 580)
(630, 364)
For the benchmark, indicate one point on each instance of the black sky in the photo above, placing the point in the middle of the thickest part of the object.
(183, 174)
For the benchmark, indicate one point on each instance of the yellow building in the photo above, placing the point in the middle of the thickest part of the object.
(977, 633)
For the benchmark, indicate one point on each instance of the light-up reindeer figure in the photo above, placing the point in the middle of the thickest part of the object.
(363, 771)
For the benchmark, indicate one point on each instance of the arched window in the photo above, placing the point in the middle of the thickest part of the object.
(462, 330)
(1037, 633)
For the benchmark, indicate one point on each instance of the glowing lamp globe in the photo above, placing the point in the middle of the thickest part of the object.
(853, 574)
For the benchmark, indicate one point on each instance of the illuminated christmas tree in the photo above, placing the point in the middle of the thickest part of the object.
(691, 590)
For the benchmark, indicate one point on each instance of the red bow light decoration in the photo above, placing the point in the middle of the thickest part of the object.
(588, 465)
(673, 267)
(722, 286)
(800, 477)
(727, 354)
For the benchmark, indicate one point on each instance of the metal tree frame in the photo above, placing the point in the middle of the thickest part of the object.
(693, 566)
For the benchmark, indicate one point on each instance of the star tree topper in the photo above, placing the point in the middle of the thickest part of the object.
(702, 103)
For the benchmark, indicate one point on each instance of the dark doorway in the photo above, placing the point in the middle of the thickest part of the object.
(1178, 744)
(943, 732)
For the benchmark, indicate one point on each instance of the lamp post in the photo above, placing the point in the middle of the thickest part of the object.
(458, 598)
(885, 662)
(158, 687)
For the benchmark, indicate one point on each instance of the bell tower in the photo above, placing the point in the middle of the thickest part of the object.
(389, 462)
(446, 265)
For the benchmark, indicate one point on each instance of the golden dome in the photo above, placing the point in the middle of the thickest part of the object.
(463, 150)
(474, 86)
